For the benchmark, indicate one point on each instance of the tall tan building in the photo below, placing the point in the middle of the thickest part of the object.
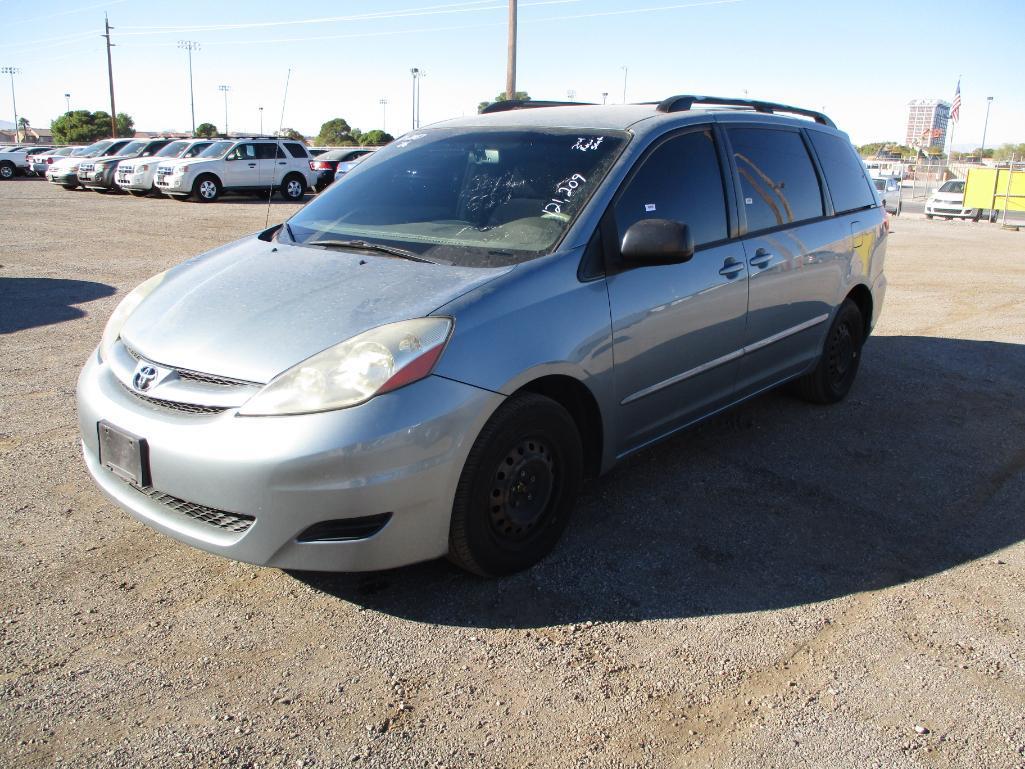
(927, 115)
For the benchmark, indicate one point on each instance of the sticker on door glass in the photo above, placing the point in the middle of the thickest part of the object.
(749, 201)
(649, 207)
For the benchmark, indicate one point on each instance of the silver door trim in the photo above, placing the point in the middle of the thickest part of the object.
(730, 356)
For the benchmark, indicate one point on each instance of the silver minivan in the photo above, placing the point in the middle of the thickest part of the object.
(427, 359)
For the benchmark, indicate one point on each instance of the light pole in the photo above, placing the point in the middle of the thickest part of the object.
(261, 119)
(190, 46)
(224, 89)
(67, 100)
(384, 114)
(985, 126)
(604, 96)
(625, 71)
(417, 73)
(12, 71)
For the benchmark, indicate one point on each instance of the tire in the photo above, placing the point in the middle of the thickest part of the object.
(992, 216)
(834, 374)
(180, 198)
(7, 170)
(900, 207)
(206, 189)
(70, 186)
(293, 188)
(976, 214)
(928, 216)
(138, 193)
(530, 447)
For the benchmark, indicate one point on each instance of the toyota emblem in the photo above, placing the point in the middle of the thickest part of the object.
(144, 377)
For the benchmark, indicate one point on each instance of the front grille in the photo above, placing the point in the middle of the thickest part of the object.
(233, 522)
(188, 408)
(197, 376)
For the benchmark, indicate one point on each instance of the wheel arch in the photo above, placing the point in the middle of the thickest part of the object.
(861, 295)
(574, 396)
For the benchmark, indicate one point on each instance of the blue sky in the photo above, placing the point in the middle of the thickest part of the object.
(861, 66)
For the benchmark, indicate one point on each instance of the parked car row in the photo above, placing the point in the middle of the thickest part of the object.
(200, 169)
(16, 159)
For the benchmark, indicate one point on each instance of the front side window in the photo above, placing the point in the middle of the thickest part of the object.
(680, 180)
(194, 150)
(844, 172)
(483, 197)
(777, 178)
(172, 150)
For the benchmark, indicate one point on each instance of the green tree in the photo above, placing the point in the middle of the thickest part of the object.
(519, 95)
(125, 125)
(206, 130)
(982, 153)
(335, 132)
(1007, 151)
(375, 138)
(80, 127)
(291, 133)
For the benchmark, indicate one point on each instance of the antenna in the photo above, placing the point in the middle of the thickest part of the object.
(277, 149)
(288, 77)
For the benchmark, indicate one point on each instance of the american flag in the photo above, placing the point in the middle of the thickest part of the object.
(955, 108)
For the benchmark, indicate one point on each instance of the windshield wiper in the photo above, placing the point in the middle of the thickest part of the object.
(363, 245)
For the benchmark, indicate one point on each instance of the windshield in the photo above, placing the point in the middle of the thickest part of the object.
(481, 198)
(952, 186)
(172, 150)
(195, 149)
(131, 148)
(65, 151)
(216, 149)
(94, 150)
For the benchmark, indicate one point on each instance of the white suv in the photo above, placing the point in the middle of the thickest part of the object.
(136, 176)
(249, 165)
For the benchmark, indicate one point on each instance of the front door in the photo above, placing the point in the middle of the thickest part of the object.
(242, 168)
(677, 329)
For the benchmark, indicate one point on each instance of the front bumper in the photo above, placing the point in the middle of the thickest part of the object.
(942, 209)
(98, 180)
(63, 177)
(173, 184)
(141, 181)
(400, 453)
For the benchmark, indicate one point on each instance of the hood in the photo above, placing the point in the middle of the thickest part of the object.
(947, 197)
(69, 163)
(253, 309)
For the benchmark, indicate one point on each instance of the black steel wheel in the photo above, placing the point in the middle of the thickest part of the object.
(832, 377)
(517, 488)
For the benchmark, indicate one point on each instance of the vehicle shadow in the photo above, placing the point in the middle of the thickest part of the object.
(775, 504)
(29, 302)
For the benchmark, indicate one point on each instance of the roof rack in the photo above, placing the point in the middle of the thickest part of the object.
(511, 104)
(683, 103)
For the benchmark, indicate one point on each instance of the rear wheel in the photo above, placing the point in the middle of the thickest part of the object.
(832, 378)
(206, 189)
(293, 187)
(517, 488)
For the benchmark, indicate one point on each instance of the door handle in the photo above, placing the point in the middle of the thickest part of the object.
(282, 162)
(731, 268)
(760, 259)
(252, 165)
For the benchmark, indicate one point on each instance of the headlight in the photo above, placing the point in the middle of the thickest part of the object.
(112, 332)
(374, 362)
(181, 169)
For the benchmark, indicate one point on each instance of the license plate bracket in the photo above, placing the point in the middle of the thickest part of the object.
(124, 454)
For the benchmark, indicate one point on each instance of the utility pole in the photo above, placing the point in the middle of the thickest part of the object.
(261, 120)
(12, 71)
(190, 46)
(985, 126)
(384, 114)
(110, 77)
(224, 89)
(510, 70)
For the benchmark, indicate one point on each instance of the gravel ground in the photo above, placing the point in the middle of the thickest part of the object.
(784, 586)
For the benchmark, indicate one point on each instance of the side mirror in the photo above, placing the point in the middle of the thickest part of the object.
(657, 241)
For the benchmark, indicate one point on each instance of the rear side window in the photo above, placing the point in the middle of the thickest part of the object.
(776, 176)
(265, 151)
(681, 181)
(845, 175)
(297, 150)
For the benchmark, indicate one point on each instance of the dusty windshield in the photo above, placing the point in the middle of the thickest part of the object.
(172, 150)
(952, 186)
(465, 197)
(216, 149)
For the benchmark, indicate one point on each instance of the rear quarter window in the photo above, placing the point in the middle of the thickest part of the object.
(845, 175)
(297, 150)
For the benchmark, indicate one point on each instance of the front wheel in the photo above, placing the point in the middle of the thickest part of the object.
(834, 374)
(517, 488)
(70, 186)
(928, 216)
(206, 189)
(138, 193)
(7, 170)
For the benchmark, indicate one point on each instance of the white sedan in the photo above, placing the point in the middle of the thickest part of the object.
(948, 202)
